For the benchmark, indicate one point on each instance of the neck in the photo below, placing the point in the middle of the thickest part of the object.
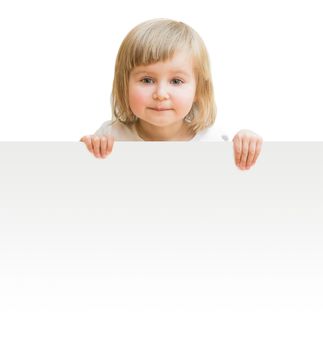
(175, 132)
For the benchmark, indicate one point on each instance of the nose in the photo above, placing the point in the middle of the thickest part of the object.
(160, 93)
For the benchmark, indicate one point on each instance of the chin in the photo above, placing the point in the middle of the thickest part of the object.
(162, 121)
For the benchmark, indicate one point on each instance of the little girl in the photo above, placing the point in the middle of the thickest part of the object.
(162, 91)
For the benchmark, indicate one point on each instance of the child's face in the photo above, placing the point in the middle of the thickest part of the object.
(163, 93)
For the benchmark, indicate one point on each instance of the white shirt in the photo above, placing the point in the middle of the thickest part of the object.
(124, 132)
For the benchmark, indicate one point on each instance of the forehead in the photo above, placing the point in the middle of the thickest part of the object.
(180, 62)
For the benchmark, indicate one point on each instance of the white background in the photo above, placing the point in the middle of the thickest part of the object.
(57, 60)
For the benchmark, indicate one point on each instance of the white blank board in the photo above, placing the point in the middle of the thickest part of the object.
(162, 245)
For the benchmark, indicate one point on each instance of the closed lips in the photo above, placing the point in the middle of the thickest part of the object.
(161, 109)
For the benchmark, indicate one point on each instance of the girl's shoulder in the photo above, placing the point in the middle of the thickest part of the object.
(213, 133)
(120, 131)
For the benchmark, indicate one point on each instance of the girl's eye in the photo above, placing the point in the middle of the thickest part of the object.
(146, 80)
(177, 81)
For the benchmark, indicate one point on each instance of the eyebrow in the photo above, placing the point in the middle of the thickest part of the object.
(153, 73)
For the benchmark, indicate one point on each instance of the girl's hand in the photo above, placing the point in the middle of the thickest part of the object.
(247, 147)
(99, 146)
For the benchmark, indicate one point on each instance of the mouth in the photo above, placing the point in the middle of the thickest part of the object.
(160, 109)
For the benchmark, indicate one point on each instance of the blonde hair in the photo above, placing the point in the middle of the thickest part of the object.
(157, 40)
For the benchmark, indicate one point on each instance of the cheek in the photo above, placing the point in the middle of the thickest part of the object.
(137, 98)
(185, 98)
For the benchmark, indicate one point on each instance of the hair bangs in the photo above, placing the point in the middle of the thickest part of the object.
(157, 43)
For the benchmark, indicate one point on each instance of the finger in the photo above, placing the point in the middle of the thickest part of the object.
(104, 143)
(96, 146)
(245, 150)
(258, 150)
(251, 153)
(88, 142)
(110, 144)
(237, 145)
